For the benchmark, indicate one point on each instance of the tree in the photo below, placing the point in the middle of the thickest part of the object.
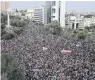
(88, 16)
(93, 27)
(16, 28)
(23, 12)
(18, 23)
(82, 34)
(8, 35)
(87, 28)
(55, 28)
(10, 68)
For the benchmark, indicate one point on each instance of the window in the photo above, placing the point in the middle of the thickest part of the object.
(72, 25)
(53, 3)
(53, 10)
(59, 3)
(77, 25)
(53, 16)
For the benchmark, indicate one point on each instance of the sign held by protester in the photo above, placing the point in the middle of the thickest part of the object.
(44, 48)
(66, 51)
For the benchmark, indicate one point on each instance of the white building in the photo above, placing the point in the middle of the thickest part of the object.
(55, 11)
(75, 22)
(40, 14)
(58, 12)
(62, 14)
(51, 11)
(79, 22)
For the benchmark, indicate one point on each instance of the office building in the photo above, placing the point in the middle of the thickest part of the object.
(56, 11)
(47, 12)
(38, 15)
(55, 8)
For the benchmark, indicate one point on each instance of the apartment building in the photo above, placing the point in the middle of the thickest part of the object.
(4, 6)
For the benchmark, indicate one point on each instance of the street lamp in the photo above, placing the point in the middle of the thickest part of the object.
(8, 18)
(8, 26)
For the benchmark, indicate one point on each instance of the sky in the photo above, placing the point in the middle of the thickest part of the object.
(79, 6)
(25, 4)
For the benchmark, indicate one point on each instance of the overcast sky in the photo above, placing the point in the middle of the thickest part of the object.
(25, 4)
(80, 6)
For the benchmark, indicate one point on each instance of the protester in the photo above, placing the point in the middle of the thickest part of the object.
(41, 57)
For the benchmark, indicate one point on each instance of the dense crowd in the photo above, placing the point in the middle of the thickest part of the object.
(39, 54)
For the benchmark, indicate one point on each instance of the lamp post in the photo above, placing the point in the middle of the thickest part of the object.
(8, 26)
(8, 19)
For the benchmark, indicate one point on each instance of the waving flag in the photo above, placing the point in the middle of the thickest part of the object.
(66, 51)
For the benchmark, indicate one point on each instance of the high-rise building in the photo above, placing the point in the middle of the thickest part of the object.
(57, 11)
(47, 12)
(4, 5)
(55, 8)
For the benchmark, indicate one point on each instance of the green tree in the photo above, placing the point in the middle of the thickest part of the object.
(17, 26)
(10, 68)
(18, 23)
(82, 34)
(55, 28)
(93, 27)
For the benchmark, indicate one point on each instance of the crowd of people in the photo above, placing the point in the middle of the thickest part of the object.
(39, 54)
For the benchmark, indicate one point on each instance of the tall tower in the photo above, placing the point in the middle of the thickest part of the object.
(47, 12)
(55, 11)
(58, 12)
(4, 5)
